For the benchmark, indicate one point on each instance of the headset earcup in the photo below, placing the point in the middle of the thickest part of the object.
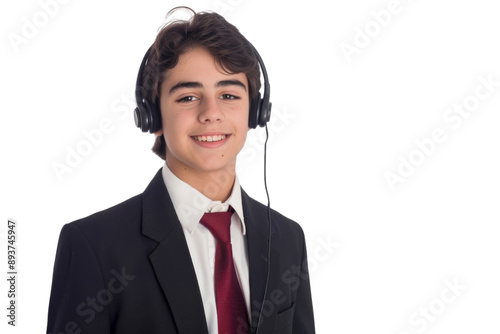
(147, 117)
(141, 117)
(253, 115)
(265, 112)
(137, 117)
(155, 118)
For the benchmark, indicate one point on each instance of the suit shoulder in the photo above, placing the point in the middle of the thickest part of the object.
(280, 221)
(118, 216)
(286, 225)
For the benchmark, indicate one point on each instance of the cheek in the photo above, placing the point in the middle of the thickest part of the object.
(172, 119)
(242, 133)
(167, 116)
(243, 139)
(243, 117)
(173, 127)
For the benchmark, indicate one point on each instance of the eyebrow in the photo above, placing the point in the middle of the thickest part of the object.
(225, 83)
(196, 84)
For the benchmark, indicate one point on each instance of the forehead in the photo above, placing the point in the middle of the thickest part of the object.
(197, 64)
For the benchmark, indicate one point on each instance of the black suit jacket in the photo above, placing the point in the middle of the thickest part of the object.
(127, 269)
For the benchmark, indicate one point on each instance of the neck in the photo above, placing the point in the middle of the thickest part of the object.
(216, 185)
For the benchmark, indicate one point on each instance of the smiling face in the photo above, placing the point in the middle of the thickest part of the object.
(204, 116)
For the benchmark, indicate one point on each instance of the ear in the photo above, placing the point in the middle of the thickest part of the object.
(158, 133)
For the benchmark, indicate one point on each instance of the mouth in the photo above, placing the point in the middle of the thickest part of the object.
(214, 138)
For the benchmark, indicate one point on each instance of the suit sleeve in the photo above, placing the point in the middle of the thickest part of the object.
(77, 280)
(303, 321)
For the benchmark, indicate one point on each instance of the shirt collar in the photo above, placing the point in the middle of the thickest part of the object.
(190, 204)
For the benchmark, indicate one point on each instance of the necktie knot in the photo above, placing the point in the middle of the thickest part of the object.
(219, 224)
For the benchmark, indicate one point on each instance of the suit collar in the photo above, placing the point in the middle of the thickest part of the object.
(171, 260)
(257, 213)
(158, 214)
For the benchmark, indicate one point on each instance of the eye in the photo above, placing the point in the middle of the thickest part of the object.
(187, 99)
(229, 97)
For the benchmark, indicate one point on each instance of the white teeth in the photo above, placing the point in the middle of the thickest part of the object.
(210, 138)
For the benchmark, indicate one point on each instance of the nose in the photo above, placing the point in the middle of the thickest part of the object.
(210, 111)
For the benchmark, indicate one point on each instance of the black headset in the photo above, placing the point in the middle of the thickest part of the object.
(147, 115)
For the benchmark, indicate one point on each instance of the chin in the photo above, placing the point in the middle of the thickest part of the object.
(217, 166)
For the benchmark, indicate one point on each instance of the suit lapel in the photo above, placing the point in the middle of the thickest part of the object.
(257, 224)
(171, 259)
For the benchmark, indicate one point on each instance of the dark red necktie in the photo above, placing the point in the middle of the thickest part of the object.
(231, 308)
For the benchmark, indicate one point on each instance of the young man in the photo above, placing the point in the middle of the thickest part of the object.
(158, 263)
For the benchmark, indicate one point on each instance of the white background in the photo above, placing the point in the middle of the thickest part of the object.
(379, 256)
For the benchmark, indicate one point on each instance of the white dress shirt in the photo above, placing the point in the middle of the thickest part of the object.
(190, 205)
